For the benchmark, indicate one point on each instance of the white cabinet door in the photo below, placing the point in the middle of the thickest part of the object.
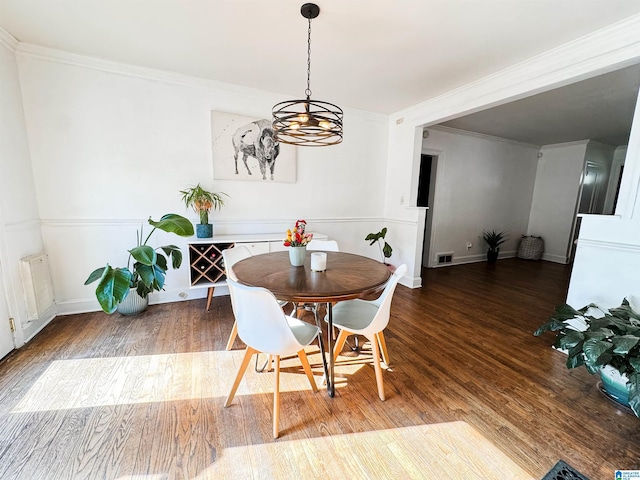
(256, 248)
(277, 247)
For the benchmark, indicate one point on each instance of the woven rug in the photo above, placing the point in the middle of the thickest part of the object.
(562, 471)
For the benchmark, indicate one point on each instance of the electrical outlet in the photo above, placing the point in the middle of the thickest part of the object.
(469, 245)
(402, 200)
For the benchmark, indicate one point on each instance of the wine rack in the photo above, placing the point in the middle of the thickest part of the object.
(205, 260)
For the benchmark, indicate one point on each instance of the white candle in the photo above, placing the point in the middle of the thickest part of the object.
(318, 261)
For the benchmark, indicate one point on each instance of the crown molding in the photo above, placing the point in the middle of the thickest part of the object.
(164, 76)
(484, 136)
(602, 51)
(117, 68)
(8, 40)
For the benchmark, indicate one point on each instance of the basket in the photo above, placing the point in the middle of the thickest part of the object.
(531, 247)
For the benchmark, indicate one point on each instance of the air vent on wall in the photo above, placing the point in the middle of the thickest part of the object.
(444, 258)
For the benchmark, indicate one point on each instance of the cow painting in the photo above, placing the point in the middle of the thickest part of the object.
(256, 140)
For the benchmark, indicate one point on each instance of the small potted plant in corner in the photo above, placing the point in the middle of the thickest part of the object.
(127, 289)
(385, 248)
(609, 345)
(493, 239)
(202, 202)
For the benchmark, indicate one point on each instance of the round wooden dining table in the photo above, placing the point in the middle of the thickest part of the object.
(347, 277)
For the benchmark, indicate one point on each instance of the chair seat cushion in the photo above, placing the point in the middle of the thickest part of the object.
(354, 315)
(303, 331)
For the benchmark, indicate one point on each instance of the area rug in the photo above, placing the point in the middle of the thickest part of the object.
(563, 471)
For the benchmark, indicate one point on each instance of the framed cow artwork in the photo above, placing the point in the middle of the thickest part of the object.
(245, 148)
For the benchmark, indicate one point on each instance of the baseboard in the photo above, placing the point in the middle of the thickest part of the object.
(554, 258)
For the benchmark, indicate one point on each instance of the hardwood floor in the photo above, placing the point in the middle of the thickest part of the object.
(471, 393)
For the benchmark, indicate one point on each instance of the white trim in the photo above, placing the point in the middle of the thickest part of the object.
(623, 247)
(483, 136)
(565, 144)
(56, 222)
(554, 258)
(21, 226)
(605, 50)
(157, 75)
(8, 40)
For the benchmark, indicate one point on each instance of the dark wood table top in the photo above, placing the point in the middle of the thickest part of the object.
(347, 277)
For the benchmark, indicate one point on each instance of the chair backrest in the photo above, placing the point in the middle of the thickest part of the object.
(261, 322)
(233, 255)
(383, 302)
(326, 245)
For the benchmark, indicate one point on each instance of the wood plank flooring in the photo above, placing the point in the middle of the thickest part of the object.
(471, 393)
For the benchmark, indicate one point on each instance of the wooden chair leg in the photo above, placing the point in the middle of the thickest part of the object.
(307, 369)
(378, 368)
(276, 398)
(340, 341)
(232, 337)
(248, 353)
(209, 296)
(383, 348)
(269, 363)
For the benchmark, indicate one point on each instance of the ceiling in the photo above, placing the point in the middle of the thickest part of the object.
(379, 55)
(599, 109)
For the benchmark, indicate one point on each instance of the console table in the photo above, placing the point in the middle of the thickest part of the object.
(206, 268)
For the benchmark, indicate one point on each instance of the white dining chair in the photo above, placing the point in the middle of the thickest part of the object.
(324, 245)
(265, 328)
(368, 318)
(231, 256)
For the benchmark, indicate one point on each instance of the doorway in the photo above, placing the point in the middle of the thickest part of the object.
(426, 196)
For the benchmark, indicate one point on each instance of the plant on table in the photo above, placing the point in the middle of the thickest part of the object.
(202, 202)
(297, 237)
(149, 266)
(611, 339)
(385, 248)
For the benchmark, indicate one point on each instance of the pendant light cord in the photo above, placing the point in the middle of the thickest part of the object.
(308, 90)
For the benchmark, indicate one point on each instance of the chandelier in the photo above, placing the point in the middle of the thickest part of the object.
(309, 123)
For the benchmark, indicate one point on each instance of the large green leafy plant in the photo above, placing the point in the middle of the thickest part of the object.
(613, 339)
(149, 265)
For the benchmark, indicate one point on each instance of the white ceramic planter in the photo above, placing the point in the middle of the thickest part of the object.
(133, 303)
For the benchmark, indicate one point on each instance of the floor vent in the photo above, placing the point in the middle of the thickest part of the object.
(444, 258)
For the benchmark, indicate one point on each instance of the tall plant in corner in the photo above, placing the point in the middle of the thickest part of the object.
(149, 266)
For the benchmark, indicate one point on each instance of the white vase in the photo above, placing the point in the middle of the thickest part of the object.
(297, 255)
(133, 303)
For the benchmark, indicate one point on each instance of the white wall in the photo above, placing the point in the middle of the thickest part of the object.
(112, 145)
(482, 183)
(553, 210)
(19, 219)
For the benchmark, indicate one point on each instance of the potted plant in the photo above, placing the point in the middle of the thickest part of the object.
(149, 267)
(385, 248)
(202, 201)
(609, 345)
(493, 239)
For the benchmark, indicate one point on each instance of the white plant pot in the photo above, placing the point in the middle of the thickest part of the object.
(133, 303)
